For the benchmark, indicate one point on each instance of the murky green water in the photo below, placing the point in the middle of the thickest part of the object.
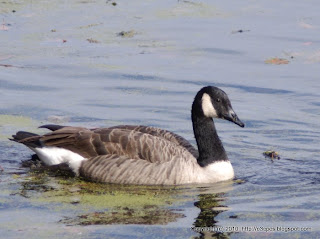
(95, 63)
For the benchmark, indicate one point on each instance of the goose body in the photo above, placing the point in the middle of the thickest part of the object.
(129, 154)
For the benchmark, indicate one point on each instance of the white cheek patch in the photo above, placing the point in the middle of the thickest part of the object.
(207, 107)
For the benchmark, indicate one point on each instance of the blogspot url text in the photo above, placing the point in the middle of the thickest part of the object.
(252, 229)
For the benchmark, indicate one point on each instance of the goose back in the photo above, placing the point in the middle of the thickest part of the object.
(165, 134)
(147, 143)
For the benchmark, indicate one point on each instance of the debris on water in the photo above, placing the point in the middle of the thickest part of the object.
(308, 43)
(127, 34)
(75, 200)
(36, 165)
(239, 31)
(271, 154)
(291, 55)
(126, 215)
(53, 30)
(239, 181)
(3, 27)
(90, 25)
(277, 61)
(306, 25)
(58, 119)
(112, 3)
(91, 40)
(15, 176)
(74, 189)
(233, 216)
(186, 1)
(9, 65)
(6, 65)
(32, 163)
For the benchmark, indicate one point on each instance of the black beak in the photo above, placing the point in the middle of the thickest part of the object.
(232, 116)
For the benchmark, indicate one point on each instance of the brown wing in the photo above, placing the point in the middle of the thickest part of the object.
(121, 141)
(165, 134)
(76, 139)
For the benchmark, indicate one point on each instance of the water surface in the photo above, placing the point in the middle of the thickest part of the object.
(65, 62)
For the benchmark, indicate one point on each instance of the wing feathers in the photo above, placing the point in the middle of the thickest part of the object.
(170, 136)
(133, 142)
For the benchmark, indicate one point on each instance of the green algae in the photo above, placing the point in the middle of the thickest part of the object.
(100, 196)
(89, 203)
(15, 120)
(147, 216)
(82, 203)
(192, 9)
(96, 203)
(10, 123)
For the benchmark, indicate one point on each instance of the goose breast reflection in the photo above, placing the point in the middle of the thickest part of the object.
(129, 154)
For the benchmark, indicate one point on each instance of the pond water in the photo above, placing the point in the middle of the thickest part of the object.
(103, 63)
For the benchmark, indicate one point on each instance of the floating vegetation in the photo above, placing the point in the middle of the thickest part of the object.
(90, 25)
(277, 61)
(124, 215)
(271, 154)
(91, 40)
(96, 204)
(239, 181)
(9, 121)
(15, 120)
(112, 3)
(240, 31)
(127, 34)
(193, 9)
(90, 203)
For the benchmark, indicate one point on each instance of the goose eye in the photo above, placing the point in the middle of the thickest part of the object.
(218, 100)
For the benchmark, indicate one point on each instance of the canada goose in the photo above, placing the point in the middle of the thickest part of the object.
(139, 154)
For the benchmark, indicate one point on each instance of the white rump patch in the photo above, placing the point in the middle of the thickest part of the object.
(55, 155)
(219, 171)
(207, 106)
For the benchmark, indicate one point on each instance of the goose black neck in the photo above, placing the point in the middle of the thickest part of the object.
(209, 145)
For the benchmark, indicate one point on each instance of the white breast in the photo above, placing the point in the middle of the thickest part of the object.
(217, 171)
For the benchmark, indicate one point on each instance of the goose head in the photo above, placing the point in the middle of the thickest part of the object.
(212, 102)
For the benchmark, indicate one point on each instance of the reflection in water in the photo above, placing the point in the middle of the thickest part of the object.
(207, 203)
(210, 207)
